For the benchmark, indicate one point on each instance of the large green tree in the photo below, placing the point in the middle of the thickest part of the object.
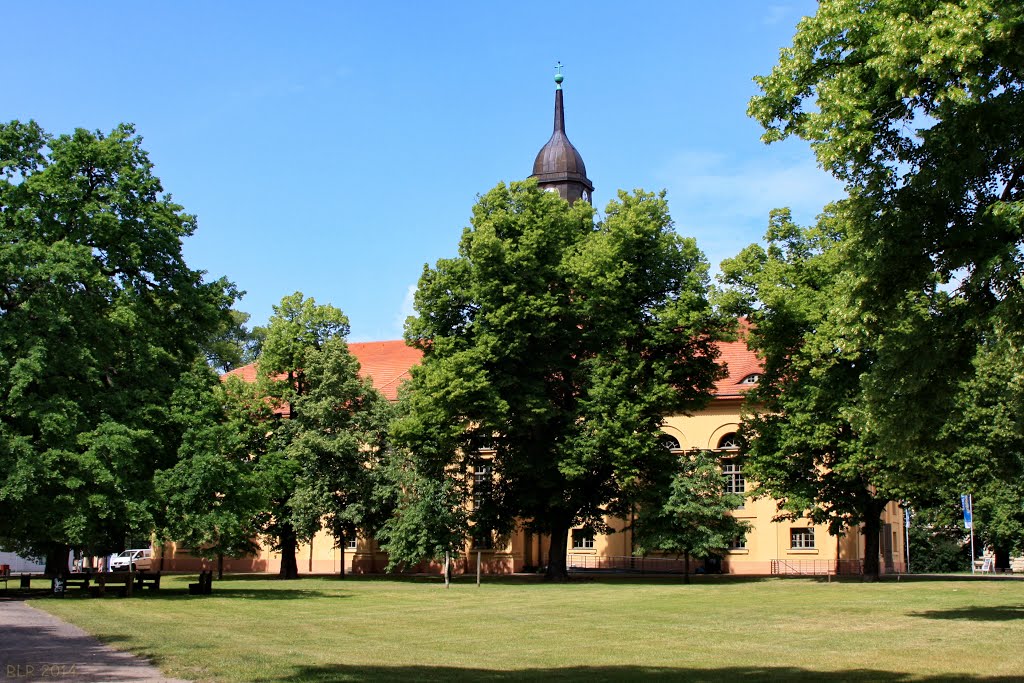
(212, 499)
(99, 317)
(558, 345)
(918, 106)
(318, 464)
(807, 442)
(342, 443)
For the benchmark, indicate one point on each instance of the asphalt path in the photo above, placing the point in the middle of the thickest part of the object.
(37, 646)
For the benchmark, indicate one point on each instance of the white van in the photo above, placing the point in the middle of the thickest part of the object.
(138, 560)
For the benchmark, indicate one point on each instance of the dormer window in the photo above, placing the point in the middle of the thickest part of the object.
(752, 378)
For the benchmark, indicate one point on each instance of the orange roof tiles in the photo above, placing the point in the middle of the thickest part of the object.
(387, 364)
(740, 362)
(247, 373)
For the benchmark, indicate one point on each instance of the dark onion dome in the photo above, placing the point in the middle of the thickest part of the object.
(558, 163)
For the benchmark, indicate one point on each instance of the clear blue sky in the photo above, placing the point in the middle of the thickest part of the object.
(335, 148)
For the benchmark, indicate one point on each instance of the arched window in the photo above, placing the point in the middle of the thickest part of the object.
(670, 442)
(729, 441)
(751, 378)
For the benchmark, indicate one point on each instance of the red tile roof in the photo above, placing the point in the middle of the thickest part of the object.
(740, 362)
(387, 364)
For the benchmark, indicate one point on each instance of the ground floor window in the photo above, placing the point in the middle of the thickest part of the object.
(582, 539)
(350, 544)
(801, 538)
(738, 543)
(483, 540)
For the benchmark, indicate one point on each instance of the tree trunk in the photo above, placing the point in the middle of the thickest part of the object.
(220, 566)
(686, 568)
(57, 560)
(341, 547)
(557, 569)
(872, 528)
(1002, 554)
(289, 565)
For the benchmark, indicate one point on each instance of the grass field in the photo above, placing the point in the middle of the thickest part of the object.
(718, 629)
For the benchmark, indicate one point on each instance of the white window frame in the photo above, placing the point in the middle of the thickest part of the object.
(482, 473)
(582, 539)
(738, 543)
(735, 482)
(801, 538)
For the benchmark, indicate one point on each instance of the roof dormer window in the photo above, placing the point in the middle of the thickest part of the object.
(752, 378)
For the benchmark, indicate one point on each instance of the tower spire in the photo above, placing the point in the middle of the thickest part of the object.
(559, 106)
(558, 166)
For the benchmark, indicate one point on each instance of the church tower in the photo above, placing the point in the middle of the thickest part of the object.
(559, 167)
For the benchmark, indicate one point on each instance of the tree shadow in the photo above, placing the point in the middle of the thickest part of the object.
(975, 613)
(240, 593)
(592, 674)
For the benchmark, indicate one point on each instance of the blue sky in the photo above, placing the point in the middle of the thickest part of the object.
(334, 148)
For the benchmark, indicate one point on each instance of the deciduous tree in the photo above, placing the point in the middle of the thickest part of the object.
(919, 108)
(561, 345)
(807, 442)
(99, 317)
(319, 461)
(212, 499)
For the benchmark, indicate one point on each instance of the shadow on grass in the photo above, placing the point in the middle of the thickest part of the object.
(178, 594)
(998, 613)
(590, 674)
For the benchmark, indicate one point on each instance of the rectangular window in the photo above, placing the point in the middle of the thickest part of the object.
(483, 540)
(734, 480)
(481, 483)
(582, 539)
(350, 544)
(738, 543)
(801, 538)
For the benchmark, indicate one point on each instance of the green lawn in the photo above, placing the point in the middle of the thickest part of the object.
(322, 629)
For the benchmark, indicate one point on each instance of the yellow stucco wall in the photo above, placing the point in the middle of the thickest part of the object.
(767, 542)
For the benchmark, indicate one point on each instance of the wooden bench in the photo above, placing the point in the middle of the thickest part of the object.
(205, 585)
(103, 579)
(151, 579)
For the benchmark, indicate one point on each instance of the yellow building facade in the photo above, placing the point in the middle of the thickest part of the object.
(770, 547)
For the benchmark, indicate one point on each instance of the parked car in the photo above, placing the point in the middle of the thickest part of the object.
(137, 560)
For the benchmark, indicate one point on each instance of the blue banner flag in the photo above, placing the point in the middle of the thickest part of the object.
(965, 501)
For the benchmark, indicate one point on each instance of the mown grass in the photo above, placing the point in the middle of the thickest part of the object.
(324, 629)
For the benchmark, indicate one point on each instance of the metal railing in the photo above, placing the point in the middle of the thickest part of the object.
(628, 563)
(816, 567)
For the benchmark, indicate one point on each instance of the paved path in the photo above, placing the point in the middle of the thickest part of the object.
(36, 646)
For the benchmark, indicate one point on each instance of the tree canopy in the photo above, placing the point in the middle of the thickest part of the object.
(99, 317)
(212, 498)
(807, 441)
(558, 345)
(918, 107)
(318, 462)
